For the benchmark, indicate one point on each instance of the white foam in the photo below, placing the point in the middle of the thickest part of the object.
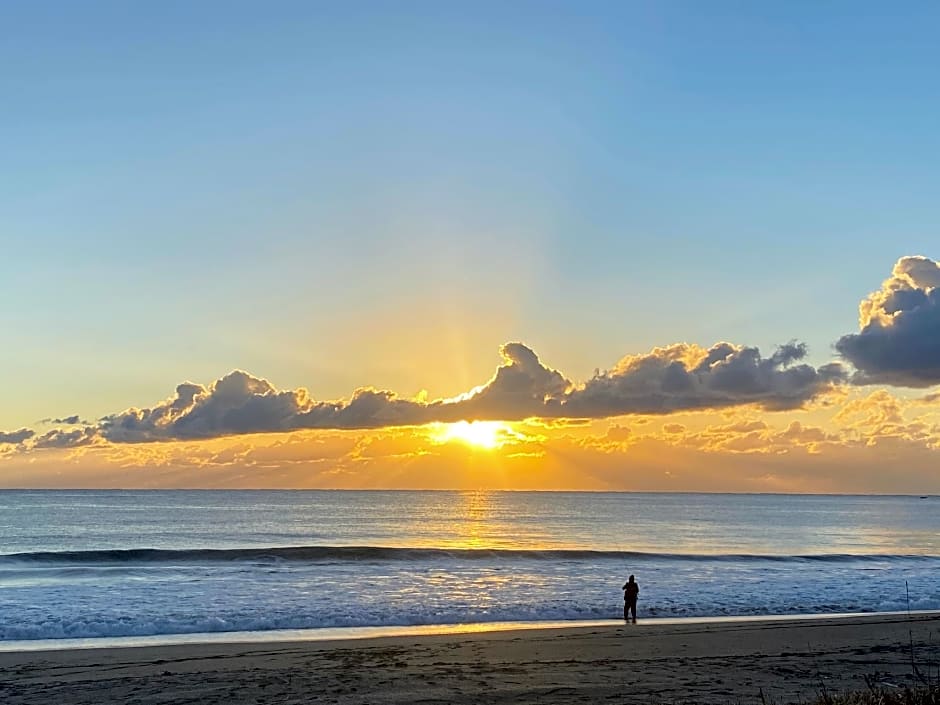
(355, 633)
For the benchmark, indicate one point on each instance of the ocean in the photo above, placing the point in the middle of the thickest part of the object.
(102, 564)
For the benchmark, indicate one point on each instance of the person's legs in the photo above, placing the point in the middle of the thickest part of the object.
(632, 606)
(626, 611)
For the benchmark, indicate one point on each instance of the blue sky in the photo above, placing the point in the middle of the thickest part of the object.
(347, 194)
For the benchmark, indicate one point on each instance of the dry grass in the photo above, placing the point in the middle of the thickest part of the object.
(928, 695)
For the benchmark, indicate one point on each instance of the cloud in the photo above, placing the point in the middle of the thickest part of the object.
(72, 420)
(779, 455)
(522, 387)
(685, 377)
(20, 436)
(240, 403)
(57, 438)
(681, 377)
(618, 434)
(899, 338)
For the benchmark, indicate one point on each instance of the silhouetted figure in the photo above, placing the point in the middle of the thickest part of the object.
(630, 592)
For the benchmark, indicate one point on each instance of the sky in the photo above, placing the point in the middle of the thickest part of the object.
(528, 245)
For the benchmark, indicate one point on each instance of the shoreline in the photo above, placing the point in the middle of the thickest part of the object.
(785, 660)
(366, 633)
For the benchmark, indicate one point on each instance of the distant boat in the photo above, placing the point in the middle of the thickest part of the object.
(924, 496)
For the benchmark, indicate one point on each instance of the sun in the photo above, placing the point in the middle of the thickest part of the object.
(478, 434)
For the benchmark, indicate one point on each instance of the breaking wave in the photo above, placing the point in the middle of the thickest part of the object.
(384, 553)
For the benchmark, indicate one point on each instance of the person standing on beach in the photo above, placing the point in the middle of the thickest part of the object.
(630, 592)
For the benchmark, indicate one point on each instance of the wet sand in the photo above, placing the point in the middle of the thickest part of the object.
(704, 663)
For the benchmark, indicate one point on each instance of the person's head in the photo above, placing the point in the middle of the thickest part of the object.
(631, 579)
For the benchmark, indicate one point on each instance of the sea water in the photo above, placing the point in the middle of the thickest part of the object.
(96, 564)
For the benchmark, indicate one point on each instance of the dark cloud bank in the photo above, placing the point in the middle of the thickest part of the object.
(898, 343)
(662, 381)
(675, 378)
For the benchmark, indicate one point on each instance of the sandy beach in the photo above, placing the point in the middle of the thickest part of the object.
(708, 663)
